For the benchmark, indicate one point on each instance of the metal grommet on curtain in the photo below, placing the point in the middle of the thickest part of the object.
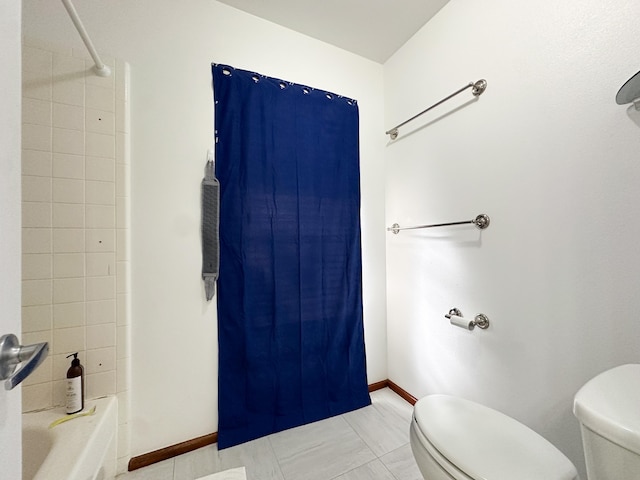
(255, 78)
(329, 96)
(305, 90)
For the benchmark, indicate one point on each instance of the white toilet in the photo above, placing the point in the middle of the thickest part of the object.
(608, 408)
(457, 439)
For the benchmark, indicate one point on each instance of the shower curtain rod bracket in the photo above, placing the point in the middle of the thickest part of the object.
(100, 68)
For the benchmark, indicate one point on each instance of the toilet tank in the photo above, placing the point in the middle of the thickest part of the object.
(608, 408)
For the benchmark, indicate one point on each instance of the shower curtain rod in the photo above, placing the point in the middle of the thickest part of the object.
(477, 89)
(100, 68)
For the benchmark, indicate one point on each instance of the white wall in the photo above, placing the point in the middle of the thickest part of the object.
(550, 157)
(170, 46)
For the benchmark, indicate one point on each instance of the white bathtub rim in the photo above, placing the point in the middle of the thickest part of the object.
(78, 446)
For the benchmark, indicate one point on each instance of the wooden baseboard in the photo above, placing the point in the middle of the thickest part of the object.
(172, 451)
(166, 453)
(378, 385)
(402, 393)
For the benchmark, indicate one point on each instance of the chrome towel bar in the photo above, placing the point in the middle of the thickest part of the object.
(477, 89)
(481, 221)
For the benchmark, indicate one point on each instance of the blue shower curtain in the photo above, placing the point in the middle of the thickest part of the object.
(290, 331)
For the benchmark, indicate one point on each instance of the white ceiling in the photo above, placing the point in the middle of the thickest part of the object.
(373, 29)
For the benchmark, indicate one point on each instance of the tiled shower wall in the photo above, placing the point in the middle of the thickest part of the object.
(75, 219)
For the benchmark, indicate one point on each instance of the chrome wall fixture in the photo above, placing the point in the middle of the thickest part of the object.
(630, 92)
(477, 88)
(482, 221)
(455, 318)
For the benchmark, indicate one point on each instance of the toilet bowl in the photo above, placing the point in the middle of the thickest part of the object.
(454, 438)
(608, 409)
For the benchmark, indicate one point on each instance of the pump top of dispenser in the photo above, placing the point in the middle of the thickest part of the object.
(76, 361)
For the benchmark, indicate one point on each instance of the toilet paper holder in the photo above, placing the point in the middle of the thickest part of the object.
(456, 318)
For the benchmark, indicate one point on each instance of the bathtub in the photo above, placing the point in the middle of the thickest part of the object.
(80, 449)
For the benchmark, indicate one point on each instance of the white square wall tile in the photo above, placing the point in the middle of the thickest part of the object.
(36, 85)
(37, 112)
(101, 240)
(68, 166)
(122, 212)
(67, 315)
(36, 215)
(122, 245)
(68, 91)
(68, 190)
(37, 397)
(68, 290)
(122, 375)
(101, 216)
(68, 240)
(68, 340)
(100, 145)
(70, 141)
(101, 264)
(68, 68)
(122, 277)
(101, 311)
(36, 163)
(36, 292)
(36, 60)
(36, 240)
(120, 123)
(41, 374)
(36, 318)
(36, 137)
(68, 265)
(100, 98)
(68, 116)
(122, 148)
(123, 407)
(100, 384)
(100, 121)
(60, 392)
(100, 193)
(36, 189)
(36, 337)
(100, 360)
(101, 288)
(123, 312)
(123, 344)
(123, 186)
(36, 266)
(100, 168)
(101, 336)
(67, 215)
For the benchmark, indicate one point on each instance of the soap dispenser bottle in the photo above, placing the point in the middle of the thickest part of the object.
(75, 385)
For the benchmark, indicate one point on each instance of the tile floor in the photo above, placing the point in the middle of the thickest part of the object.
(368, 444)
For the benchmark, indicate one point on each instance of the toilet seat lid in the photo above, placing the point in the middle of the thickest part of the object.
(486, 444)
(609, 404)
